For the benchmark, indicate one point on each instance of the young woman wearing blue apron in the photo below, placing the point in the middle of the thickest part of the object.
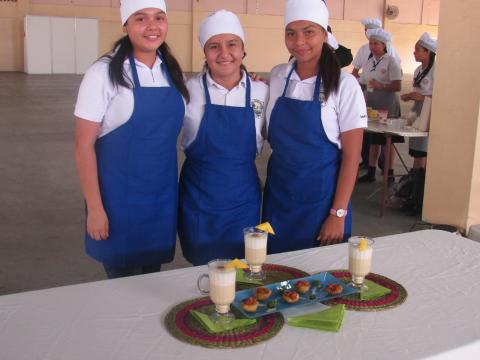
(129, 113)
(219, 186)
(306, 200)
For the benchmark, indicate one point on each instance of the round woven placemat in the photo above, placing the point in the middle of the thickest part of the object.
(276, 273)
(352, 302)
(182, 325)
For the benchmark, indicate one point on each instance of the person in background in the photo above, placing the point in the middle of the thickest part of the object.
(219, 185)
(315, 120)
(128, 115)
(423, 77)
(383, 78)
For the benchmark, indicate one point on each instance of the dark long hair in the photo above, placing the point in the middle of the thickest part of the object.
(431, 61)
(329, 70)
(123, 49)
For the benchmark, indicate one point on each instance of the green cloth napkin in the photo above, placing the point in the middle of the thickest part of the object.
(217, 327)
(374, 291)
(242, 278)
(327, 320)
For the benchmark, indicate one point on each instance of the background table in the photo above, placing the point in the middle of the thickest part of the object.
(374, 126)
(123, 319)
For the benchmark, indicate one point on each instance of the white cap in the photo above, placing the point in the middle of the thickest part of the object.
(332, 41)
(311, 10)
(129, 7)
(220, 22)
(371, 23)
(380, 35)
(428, 43)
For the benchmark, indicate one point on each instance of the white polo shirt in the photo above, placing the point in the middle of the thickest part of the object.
(426, 85)
(361, 57)
(99, 101)
(385, 70)
(222, 96)
(343, 111)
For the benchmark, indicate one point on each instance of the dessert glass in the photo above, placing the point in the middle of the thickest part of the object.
(255, 252)
(359, 260)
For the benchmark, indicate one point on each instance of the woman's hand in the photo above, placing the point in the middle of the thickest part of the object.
(374, 84)
(332, 230)
(405, 97)
(416, 96)
(97, 224)
(256, 77)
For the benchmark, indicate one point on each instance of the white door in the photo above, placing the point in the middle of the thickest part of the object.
(37, 45)
(86, 44)
(63, 45)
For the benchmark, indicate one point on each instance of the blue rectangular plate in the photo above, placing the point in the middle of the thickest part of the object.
(325, 278)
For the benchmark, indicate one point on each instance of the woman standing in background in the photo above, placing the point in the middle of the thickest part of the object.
(128, 115)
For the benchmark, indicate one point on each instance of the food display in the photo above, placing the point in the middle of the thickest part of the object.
(372, 113)
(284, 295)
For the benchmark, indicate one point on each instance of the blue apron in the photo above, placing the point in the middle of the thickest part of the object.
(137, 171)
(301, 175)
(219, 186)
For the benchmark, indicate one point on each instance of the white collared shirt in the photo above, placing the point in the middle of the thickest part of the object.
(343, 111)
(222, 96)
(361, 57)
(426, 85)
(384, 70)
(99, 101)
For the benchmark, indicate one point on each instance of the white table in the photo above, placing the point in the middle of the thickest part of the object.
(374, 126)
(123, 319)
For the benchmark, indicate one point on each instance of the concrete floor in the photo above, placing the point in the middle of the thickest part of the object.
(41, 217)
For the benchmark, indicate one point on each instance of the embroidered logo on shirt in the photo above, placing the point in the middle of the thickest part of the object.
(383, 71)
(425, 81)
(257, 107)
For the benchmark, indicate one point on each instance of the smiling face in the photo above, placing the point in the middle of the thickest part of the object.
(224, 54)
(304, 40)
(147, 29)
(377, 47)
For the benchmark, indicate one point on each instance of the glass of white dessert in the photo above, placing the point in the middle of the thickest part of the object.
(359, 260)
(221, 289)
(255, 252)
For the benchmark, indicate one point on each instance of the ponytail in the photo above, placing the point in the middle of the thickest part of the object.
(123, 49)
(329, 70)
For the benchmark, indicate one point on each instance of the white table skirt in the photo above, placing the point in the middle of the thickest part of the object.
(123, 318)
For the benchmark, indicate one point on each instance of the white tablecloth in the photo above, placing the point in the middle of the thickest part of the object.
(123, 318)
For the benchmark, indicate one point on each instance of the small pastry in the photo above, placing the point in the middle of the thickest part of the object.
(250, 304)
(334, 289)
(302, 286)
(263, 293)
(290, 296)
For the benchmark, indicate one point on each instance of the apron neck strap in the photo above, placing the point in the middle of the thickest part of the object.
(164, 67)
(207, 93)
(318, 81)
(133, 68)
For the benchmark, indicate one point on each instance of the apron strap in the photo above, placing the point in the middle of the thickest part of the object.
(248, 93)
(164, 66)
(205, 89)
(318, 81)
(133, 68)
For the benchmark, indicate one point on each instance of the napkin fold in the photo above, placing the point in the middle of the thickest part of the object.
(327, 320)
(374, 291)
(242, 278)
(212, 327)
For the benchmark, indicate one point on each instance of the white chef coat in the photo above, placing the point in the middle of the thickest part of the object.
(385, 71)
(99, 101)
(222, 96)
(343, 111)
(426, 85)
(361, 57)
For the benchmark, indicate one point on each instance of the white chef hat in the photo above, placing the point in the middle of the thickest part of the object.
(220, 22)
(371, 23)
(380, 35)
(428, 42)
(311, 10)
(128, 7)
(332, 41)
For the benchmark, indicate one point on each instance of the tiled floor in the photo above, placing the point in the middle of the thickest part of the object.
(41, 217)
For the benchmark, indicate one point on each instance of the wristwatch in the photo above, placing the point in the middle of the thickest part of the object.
(338, 212)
